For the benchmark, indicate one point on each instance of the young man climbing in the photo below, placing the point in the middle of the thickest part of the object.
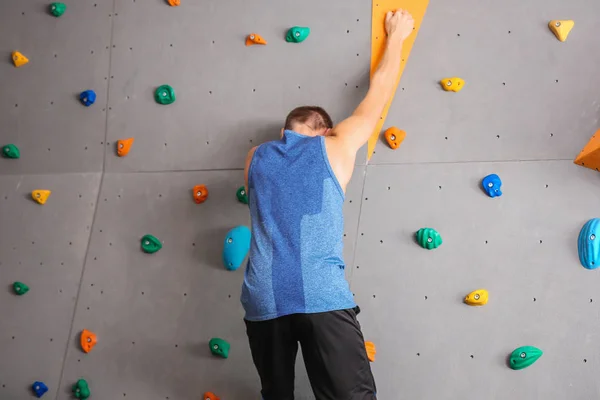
(294, 288)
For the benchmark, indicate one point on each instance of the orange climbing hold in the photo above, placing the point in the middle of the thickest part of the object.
(255, 38)
(88, 340)
(41, 196)
(589, 157)
(200, 193)
(210, 396)
(371, 351)
(394, 137)
(19, 59)
(124, 146)
(174, 3)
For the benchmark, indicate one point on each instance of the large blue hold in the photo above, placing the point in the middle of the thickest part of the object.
(39, 388)
(236, 247)
(589, 244)
(88, 97)
(492, 184)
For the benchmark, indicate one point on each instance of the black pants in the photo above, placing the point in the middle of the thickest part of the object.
(334, 353)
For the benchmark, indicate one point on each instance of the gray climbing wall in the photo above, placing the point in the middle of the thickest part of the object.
(529, 105)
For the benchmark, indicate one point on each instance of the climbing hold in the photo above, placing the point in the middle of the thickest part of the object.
(561, 29)
(241, 195)
(237, 245)
(200, 193)
(371, 351)
(57, 9)
(11, 151)
(39, 388)
(297, 34)
(219, 347)
(477, 298)
(124, 146)
(454, 84)
(81, 390)
(20, 288)
(210, 396)
(150, 244)
(394, 137)
(524, 356)
(87, 97)
(429, 238)
(174, 3)
(589, 157)
(87, 340)
(164, 95)
(40, 196)
(255, 38)
(588, 244)
(19, 59)
(492, 184)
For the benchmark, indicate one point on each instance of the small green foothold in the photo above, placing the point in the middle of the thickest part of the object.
(524, 356)
(57, 9)
(151, 244)
(164, 95)
(297, 34)
(241, 195)
(20, 288)
(81, 389)
(11, 151)
(219, 347)
(429, 238)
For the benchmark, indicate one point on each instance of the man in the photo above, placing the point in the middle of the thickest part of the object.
(294, 287)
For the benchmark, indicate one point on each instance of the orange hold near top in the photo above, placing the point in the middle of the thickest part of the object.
(174, 3)
(255, 38)
(371, 351)
(88, 340)
(200, 193)
(589, 157)
(210, 396)
(124, 146)
(394, 137)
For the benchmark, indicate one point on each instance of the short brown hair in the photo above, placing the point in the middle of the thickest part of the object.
(313, 116)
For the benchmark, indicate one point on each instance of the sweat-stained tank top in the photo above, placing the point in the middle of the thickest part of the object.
(295, 263)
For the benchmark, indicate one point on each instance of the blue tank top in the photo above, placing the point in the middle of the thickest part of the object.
(295, 263)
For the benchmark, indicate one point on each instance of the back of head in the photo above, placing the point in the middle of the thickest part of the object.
(309, 120)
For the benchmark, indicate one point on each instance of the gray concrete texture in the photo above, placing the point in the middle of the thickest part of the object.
(529, 105)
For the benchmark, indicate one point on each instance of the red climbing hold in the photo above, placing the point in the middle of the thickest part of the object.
(200, 193)
(88, 340)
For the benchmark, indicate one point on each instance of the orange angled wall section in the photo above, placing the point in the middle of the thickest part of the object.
(378, 39)
(589, 157)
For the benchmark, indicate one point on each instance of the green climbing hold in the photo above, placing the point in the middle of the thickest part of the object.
(81, 389)
(151, 244)
(524, 356)
(58, 9)
(429, 238)
(219, 347)
(20, 288)
(297, 34)
(11, 151)
(241, 195)
(164, 95)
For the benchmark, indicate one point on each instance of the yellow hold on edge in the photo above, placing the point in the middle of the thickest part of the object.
(378, 38)
(561, 29)
(477, 298)
(589, 157)
(40, 196)
(19, 59)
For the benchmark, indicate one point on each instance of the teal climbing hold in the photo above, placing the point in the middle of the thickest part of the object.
(297, 34)
(588, 244)
(81, 390)
(164, 95)
(11, 151)
(236, 246)
(524, 356)
(20, 288)
(219, 347)
(242, 196)
(150, 244)
(57, 9)
(429, 238)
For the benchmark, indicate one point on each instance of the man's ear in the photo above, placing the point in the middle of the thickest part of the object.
(282, 130)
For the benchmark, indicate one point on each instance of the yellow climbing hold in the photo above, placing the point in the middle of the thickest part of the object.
(561, 29)
(477, 298)
(41, 196)
(19, 59)
(452, 84)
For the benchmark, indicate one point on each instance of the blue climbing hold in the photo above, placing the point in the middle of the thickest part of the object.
(39, 388)
(589, 244)
(88, 97)
(236, 247)
(492, 184)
